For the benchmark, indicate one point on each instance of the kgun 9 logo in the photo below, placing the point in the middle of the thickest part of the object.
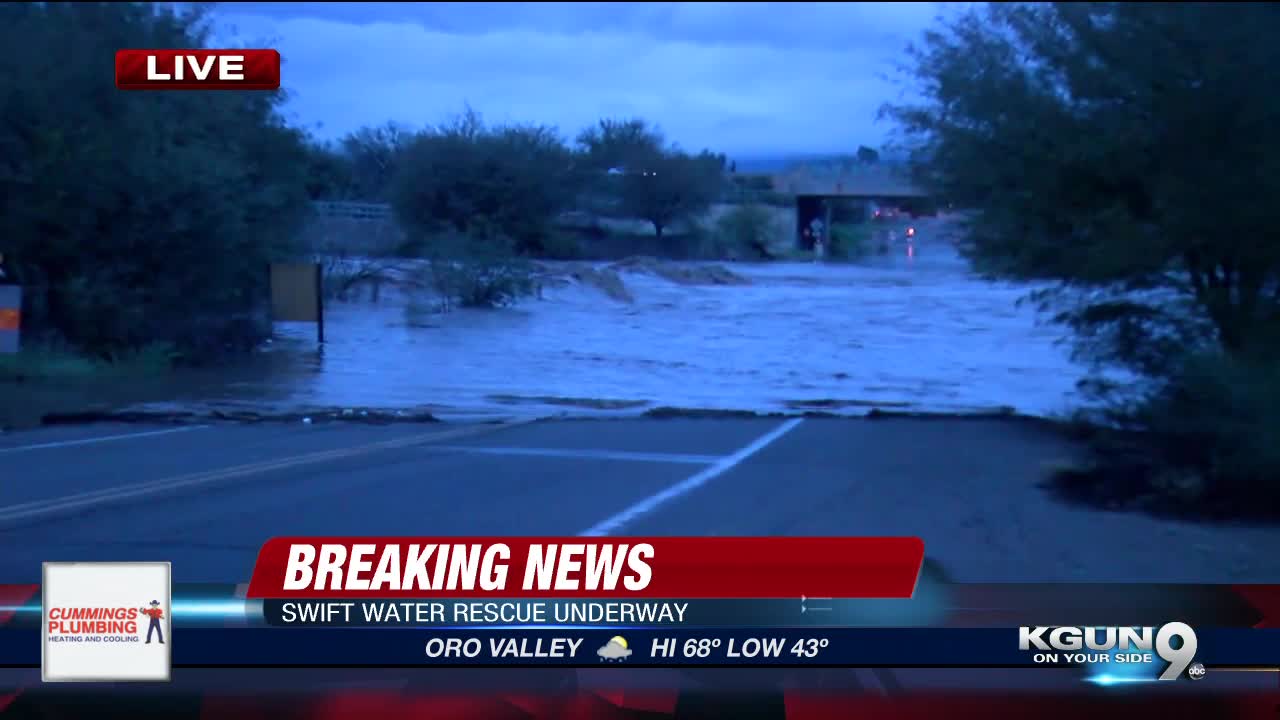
(1175, 643)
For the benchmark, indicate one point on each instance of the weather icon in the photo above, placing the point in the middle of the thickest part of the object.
(615, 649)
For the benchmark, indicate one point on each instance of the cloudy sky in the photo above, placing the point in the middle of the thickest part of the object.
(742, 78)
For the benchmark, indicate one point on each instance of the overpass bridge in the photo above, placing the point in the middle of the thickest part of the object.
(815, 188)
(875, 182)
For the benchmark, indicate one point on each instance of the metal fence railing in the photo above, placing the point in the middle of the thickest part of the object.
(353, 210)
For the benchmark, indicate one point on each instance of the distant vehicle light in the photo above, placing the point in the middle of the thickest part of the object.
(911, 232)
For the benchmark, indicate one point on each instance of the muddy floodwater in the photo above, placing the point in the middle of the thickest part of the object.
(899, 332)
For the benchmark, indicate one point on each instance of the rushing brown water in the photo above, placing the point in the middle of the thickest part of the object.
(904, 331)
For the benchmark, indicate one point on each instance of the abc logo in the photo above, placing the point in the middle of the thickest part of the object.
(1196, 671)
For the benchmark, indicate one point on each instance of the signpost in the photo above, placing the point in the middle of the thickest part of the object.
(297, 294)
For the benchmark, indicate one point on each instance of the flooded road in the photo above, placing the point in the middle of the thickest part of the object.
(899, 333)
(896, 332)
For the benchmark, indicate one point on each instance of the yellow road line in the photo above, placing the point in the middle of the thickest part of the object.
(52, 506)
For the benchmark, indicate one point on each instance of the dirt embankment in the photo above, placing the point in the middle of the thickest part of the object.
(682, 274)
(605, 280)
(610, 280)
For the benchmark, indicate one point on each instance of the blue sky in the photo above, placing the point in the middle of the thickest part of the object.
(741, 78)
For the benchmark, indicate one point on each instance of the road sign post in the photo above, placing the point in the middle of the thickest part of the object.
(297, 294)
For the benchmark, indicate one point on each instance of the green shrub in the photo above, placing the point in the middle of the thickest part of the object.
(1205, 442)
(347, 278)
(475, 272)
(746, 232)
(1222, 416)
(775, 199)
(850, 242)
(560, 245)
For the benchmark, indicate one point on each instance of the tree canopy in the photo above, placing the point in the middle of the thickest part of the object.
(1131, 153)
(1105, 144)
(467, 178)
(619, 144)
(658, 182)
(125, 214)
(670, 185)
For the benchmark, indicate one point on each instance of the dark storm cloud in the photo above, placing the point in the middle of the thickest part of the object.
(785, 25)
(738, 77)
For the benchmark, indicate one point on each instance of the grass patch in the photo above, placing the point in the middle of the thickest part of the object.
(36, 364)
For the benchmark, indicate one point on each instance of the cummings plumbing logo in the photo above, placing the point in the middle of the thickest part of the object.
(97, 627)
(92, 624)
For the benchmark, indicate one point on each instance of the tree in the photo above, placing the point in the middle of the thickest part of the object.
(619, 144)
(1131, 153)
(372, 154)
(1105, 143)
(658, 183)
(137, 218)
(468, 179)
(671, 185)
(867, 156)
(329, 173)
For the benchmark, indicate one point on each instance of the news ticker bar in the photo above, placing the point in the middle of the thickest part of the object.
(655, 647)
(803, 611)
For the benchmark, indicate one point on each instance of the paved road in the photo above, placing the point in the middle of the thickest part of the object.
(207, 497)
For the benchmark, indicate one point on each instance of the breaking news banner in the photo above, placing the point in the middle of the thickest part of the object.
(668, 567)
(622, 602)
(203, 69)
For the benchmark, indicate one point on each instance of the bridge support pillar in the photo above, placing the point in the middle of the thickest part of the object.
(808, 209)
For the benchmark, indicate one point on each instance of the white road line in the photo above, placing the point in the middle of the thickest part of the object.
(104, 438)
(694, 482)
(587, 454)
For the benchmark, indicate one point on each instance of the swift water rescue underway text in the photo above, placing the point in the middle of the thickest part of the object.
(387, 612)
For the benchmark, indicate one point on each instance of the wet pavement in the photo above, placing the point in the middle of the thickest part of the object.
(207, 497)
